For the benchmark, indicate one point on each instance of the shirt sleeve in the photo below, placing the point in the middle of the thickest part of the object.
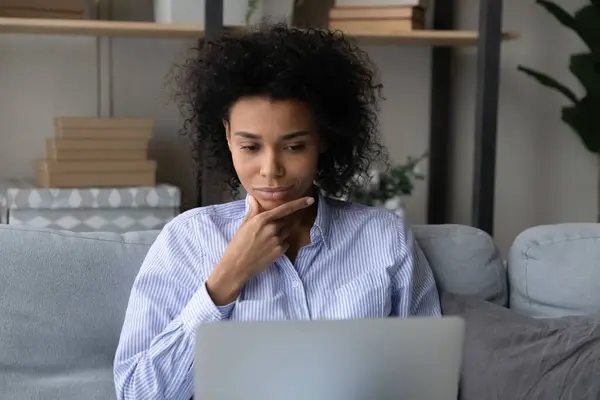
(155, 355)
(415, 291)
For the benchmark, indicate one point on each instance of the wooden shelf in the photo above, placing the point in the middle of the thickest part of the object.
(100, 28)
(177, 31)
(425, 38)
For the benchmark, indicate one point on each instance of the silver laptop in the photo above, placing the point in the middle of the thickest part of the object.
(391, 358)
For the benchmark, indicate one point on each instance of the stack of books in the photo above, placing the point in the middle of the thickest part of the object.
(376, 19)
(64, 9)
(98, 152)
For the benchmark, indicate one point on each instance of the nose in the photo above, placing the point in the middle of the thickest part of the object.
(271, 166)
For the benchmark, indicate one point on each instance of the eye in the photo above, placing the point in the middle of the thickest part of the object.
(249, 148)
(296, 147)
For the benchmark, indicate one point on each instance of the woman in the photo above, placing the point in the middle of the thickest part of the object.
(291, 116)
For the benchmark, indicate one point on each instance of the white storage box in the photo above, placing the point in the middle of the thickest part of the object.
(234, 11)
(88, 209)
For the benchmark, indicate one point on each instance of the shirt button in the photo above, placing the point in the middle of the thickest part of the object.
(295, 284)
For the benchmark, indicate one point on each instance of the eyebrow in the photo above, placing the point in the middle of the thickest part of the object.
(287, 136)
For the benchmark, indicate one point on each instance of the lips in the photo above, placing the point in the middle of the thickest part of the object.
(273, 193)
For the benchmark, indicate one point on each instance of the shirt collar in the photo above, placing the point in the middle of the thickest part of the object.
(322, 224)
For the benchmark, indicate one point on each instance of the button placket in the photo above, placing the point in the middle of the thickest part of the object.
(297, 295)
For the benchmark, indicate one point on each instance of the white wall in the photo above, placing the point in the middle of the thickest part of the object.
(544, 173)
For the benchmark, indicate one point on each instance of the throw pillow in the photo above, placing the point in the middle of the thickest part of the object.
(511, 356)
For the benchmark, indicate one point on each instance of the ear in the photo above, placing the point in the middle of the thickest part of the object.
(227, 133)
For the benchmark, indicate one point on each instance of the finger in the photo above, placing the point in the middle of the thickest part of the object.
(283, 248)
(290, 225)
(289, 208)
(274, 228)
(253, 208)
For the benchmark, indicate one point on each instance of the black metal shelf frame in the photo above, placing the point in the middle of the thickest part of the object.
(440, 135)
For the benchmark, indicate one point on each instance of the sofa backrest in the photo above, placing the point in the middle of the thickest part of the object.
(62, 302)
(464, 260)
(554, 270)
(63, 298)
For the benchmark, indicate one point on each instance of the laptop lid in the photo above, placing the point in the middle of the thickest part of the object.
(410, 359)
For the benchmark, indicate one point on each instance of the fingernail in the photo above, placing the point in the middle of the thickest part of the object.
(310, 200)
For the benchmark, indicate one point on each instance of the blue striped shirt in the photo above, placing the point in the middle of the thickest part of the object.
(362, 262)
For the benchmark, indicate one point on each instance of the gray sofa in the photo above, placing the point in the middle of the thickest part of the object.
(63, 295)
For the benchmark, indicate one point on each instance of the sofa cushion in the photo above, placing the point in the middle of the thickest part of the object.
(554, 270)
(464, 260)
(512, 356)
(62, 303)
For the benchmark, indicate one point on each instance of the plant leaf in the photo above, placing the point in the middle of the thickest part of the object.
(566, 19)
(549, 82)
(588, 22)
(583, 121)
(586, 67)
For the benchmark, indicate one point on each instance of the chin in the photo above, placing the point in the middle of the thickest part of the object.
(270, 204)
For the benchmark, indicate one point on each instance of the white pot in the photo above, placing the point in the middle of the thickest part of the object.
(234, 11)
(396, 205)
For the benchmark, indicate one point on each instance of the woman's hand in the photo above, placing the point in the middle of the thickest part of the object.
(259, 241)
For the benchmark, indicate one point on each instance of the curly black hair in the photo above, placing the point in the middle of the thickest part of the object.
(322, 68)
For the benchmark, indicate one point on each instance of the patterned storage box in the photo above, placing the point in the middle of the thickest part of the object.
(88, 209)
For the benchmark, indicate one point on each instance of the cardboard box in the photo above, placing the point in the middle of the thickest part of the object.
(95, 155)
(49, 174)
(104, 128)
(61, 167)
(146, 124)
(62, 145)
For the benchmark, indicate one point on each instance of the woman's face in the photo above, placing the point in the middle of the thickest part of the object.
(275, 148)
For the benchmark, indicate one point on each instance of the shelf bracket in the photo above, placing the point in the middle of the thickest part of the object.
(486, 114)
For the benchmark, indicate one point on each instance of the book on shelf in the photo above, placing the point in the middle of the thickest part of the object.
(58, 5)
(62, 9)
(19, 12)
(376, 27)
(371, 12)
(376, 20)
(377, 3)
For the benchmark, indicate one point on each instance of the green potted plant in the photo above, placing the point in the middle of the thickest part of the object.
(387, 189)
(582, 114)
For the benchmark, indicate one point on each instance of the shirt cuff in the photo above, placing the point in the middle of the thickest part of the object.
(201, 309)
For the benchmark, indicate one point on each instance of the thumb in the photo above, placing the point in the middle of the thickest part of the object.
(253, 208)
